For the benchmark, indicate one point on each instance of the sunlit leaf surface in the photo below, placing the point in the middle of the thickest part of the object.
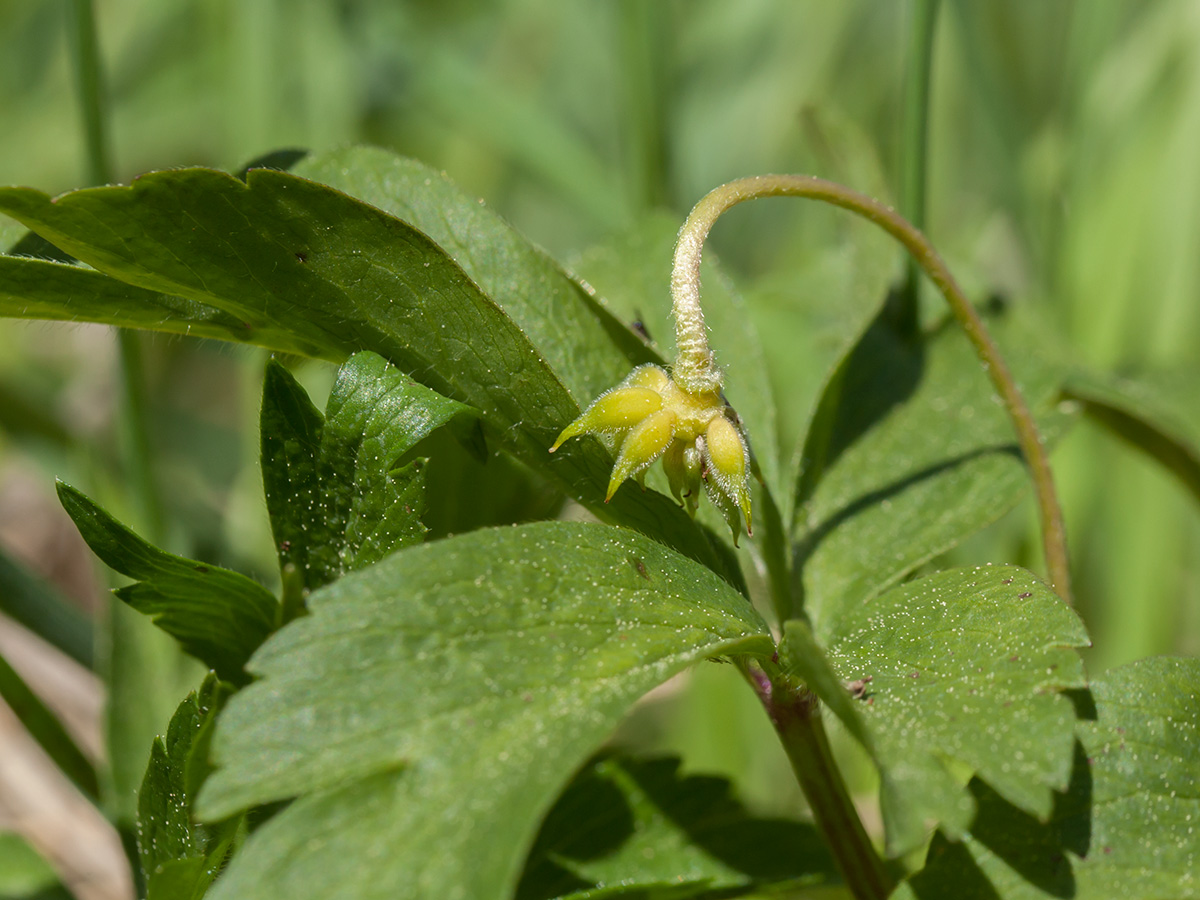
(180, 857)
(1127, 824)
(431, 707)
(965, 668)
(279, 251)
(337, 496)
(217, 615)
(910, 452)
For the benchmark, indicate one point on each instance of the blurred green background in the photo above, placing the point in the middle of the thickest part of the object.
(1063, 172)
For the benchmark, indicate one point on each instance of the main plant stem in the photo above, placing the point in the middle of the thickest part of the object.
(796, 715)
(696, 358)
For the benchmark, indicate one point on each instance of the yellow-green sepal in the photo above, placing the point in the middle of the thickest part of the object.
(621, 407)
(644, 444)
(683, 465)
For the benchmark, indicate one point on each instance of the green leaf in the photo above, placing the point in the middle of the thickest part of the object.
(962, 668)
(10, 233)
(588, 348)
(145, 672)
(180, 857)
(627, 826)
(218, 616)
(910, 452)
(1157, 412)
(337, 498)
(282, 252)
(1125, 826)
(431, 707)
(573, 331)
(24, 875)
(42, 289)
(41, 608)
(35, 246)
(46, 729)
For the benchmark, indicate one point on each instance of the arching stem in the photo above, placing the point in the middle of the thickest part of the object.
(695, 358)
(695, 370)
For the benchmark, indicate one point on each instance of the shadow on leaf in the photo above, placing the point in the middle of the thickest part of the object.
(1032, 852)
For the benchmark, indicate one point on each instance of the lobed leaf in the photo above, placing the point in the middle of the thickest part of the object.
(964, 667)
(1125, 825)
(1157, 412)
(218, 616)
(430, 708)
(180, 857)
(588, 349)
(628, 826)
(44, 289)
(281, 252)
(909, 453)
(337, 497)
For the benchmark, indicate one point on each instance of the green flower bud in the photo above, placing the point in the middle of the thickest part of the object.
(683, 465)
(648, 376)
(726, 457)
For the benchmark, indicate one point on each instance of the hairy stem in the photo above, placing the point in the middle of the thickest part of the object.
(695, 369)
(685, 292)
(796, 715)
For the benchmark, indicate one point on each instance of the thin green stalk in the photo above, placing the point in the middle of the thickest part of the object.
(86, 57)
(139, 458)
(293, 602)
(90, 85)
(796, 715)
(642, 45)
(138, 463)
(914, 148)
(685, 287)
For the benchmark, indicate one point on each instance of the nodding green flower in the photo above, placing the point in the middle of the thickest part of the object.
(648, 416)
(681, 417)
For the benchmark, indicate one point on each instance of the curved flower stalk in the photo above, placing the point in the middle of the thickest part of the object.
(683, 418)
(679, 416)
